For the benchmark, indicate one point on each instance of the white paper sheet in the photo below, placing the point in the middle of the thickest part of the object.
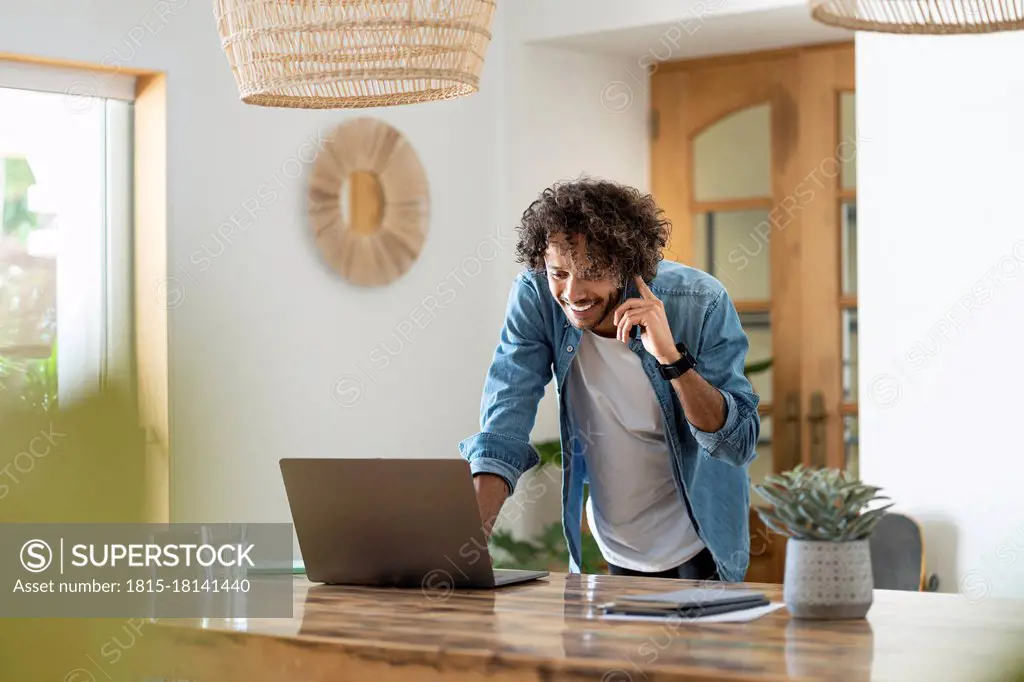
(744, 616)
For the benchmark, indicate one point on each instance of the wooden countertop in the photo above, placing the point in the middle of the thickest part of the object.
(550, 630)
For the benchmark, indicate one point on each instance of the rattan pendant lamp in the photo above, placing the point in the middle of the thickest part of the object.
(340, 54)
(926, 17)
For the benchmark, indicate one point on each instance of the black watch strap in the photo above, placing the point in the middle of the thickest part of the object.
(680, 367)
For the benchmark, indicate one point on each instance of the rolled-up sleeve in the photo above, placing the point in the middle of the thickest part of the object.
(721, 358)
(514, 386)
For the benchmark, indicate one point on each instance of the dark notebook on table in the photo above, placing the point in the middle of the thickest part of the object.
(689, 603)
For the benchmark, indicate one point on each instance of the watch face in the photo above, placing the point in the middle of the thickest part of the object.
(680, 366)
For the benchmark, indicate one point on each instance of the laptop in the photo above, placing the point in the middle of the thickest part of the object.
(391, 522)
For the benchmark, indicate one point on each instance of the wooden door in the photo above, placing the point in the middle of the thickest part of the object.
(752, 158)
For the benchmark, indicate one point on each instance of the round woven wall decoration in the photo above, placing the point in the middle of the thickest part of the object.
(368, 202)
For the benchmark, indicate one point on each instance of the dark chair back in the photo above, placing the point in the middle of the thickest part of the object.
(897, 553)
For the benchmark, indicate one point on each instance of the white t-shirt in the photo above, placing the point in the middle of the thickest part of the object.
(635, 512)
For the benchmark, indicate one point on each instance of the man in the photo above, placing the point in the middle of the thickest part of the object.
(655, 411)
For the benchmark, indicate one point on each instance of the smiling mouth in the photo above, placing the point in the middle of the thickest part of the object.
(579, 310)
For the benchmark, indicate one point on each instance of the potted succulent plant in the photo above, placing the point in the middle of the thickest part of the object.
(825, 516)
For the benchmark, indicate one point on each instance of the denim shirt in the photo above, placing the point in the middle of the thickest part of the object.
(710, 469)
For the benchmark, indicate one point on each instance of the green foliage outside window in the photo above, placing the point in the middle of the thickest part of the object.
(27, 385)
(17, 219)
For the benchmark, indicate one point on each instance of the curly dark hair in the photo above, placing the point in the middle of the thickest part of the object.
(624, 230)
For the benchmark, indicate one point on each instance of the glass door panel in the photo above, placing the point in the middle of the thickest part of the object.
(851, 445)
(733, 246)
(847, 204)
(848, 134)
(850, 384)
(732, 156)
(848, 215)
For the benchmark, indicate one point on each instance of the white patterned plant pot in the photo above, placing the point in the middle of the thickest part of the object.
(828, 580)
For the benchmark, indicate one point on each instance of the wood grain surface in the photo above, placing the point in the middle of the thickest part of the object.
(551, 630)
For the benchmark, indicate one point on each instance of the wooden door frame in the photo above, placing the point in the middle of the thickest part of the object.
(804, 216)
(825, 74)
(803, 86)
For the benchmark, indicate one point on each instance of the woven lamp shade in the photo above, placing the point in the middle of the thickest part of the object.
(926, 17)
(341, 54)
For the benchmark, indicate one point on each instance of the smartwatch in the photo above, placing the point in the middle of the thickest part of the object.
(680, 367)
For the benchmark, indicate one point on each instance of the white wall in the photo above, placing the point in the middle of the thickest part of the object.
(549, 20)
(271, 354)
(941, 249)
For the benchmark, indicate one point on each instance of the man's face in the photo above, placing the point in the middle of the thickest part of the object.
(588, 299)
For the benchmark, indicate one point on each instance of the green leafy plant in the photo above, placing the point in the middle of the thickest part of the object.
(757, 367)
(546, 552)
(550, 452)
(16, 177)
(29, 385)
(819, 504)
